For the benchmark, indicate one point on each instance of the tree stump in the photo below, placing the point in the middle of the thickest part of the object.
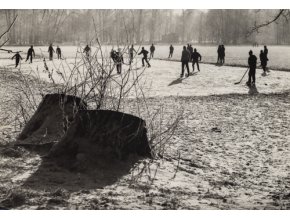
(97, 136)
(50, 121)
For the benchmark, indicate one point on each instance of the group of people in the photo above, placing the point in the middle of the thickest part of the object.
(31, 55)
(118, 59)
(264, 58)
(189, 55)
(221, 54)
(51, 51)
(252, 62)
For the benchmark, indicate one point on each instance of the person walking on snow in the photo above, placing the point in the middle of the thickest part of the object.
(152, 50)
(219, 51)
(30, 52)
(58, 52)
(223, 54)
(145, 53)
(17, 57)
(263, 60)
(87, 50)
(131, 54)
(195, 57)
(119, 60)
(266, 51)
(50, 51)
(252, 62)
(266, 54)
(190, 50)
(171, 49)
(185, 57)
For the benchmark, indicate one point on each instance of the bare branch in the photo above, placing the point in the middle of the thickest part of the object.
(257, 27)
(11, 25)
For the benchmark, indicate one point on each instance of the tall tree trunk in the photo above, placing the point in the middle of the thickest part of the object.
(32, 28)
(200, 36)
(140, 20)
(153, 24)
(183, 26)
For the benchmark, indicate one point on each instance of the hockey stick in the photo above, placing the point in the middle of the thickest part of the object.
(242, 77)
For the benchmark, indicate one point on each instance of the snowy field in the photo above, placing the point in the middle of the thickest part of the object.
(162, 79)
(279, 56)
(230, 150)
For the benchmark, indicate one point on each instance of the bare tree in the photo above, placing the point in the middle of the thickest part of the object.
(281, 13)
(139, 26)
(6, 32)
(153, 24)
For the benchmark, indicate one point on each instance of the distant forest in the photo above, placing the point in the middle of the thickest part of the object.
(71, 27)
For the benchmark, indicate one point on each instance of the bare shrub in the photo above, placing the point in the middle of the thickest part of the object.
(92, 77)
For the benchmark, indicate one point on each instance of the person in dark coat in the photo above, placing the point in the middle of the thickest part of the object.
(145, 53)
(131, 54)
(50, 51)
(252, 62)
(30, 54)
(219, 51)
(152, 50)
(266, 52)
(195, 57)
(171, 49)
(58, 52)
(17, 57)
(263, 60)
(113, 55)
(87, 50)
(119, 61)
(223, 54)
(190, 50)
(185, 58)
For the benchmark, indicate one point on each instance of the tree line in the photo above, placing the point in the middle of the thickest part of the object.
(72, 27)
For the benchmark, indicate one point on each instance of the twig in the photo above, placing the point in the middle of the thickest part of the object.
(256, 28)
(8, 30)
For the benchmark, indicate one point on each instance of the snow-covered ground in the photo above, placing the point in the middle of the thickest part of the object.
(279, 56)
(163, 78)
(229, 151)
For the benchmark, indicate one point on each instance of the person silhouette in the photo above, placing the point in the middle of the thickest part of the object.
(87, 51)
(152, 50)
(145, 53)
(252, 62)
(131, 54)
(185, 58)
(58, 52)
(30, 54)
(219, 51)
(223, 54)
(264, 61)
(266, 52)
(195, 57)
(171, 49)
(17, 57)
(50, 51)
(266, 55)
(119, 61)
